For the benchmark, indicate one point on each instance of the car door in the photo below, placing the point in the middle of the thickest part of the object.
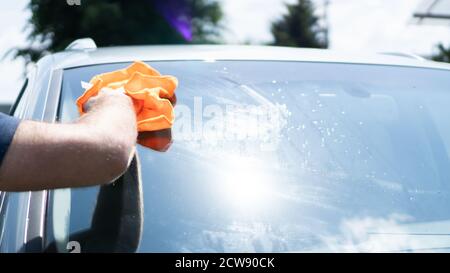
(23, 213)
(13, 205)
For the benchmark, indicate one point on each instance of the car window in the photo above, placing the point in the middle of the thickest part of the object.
(290, 156)
(18, 103)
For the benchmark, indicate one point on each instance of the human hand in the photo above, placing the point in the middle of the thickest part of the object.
(107, 96)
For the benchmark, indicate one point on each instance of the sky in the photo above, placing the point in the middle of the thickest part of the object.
(355, 25)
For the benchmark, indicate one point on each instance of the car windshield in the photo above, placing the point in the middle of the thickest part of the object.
(274, 156)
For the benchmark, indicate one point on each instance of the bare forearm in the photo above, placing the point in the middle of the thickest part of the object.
(94, 149)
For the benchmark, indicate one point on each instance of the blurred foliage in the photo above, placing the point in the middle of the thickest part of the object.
(443, 55)
(55, 24)
(299, 27)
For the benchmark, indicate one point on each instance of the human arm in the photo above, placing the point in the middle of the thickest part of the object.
(94, 149)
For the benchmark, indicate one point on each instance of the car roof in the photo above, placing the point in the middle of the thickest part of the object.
(85, 57)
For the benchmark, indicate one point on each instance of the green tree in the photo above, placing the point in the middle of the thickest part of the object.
(299, 27)
(54, 23)
(443, 55)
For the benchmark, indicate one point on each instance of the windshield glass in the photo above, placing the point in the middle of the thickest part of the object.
(292, 156)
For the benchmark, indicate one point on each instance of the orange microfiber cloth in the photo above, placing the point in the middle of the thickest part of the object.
(153, 97)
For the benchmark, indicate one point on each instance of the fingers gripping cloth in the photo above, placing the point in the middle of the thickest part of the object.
(153, 96)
